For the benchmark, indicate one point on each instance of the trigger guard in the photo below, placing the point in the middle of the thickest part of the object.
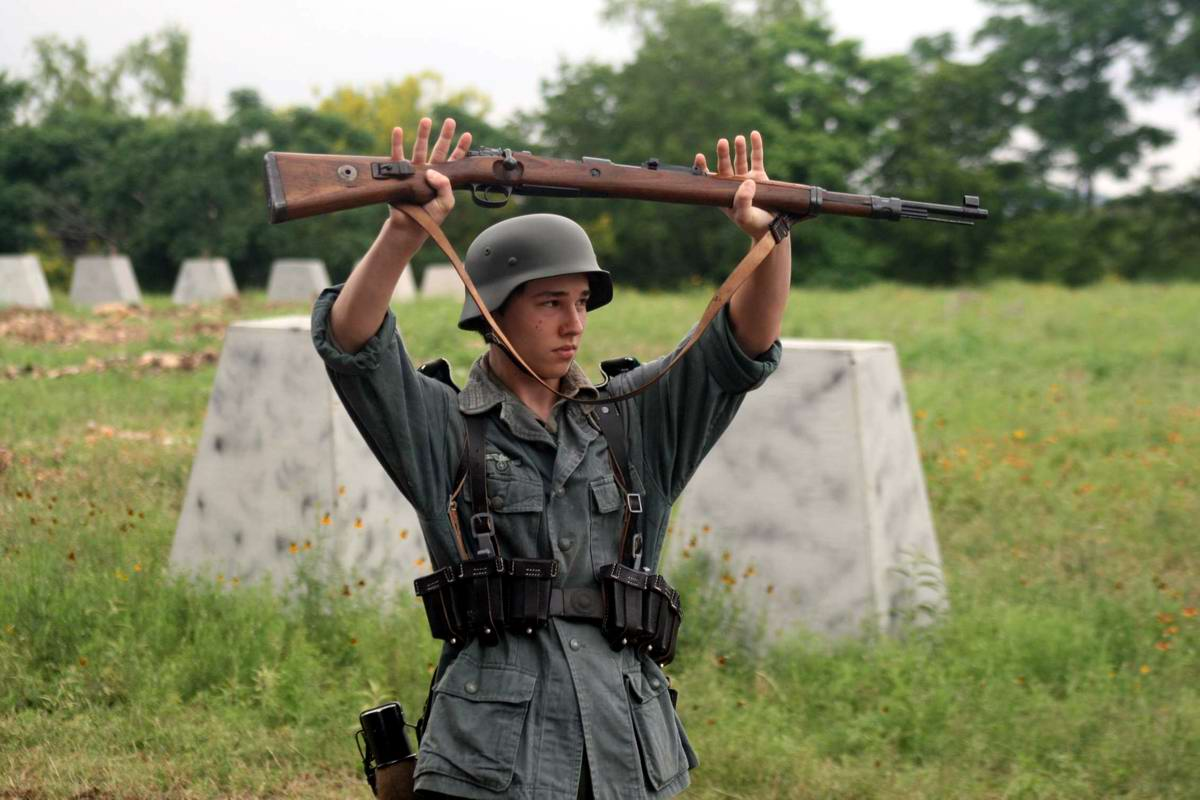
(480, 192)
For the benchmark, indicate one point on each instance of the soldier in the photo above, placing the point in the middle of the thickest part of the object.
(561, 710)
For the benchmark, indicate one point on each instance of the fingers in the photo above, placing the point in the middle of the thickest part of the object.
(724, 165)
(740, 164)
(421, 147)
(744, 198)
(397, 144)
(756, 152)
(700, 163)
(441, 205)
(442, 146)
(464, 144)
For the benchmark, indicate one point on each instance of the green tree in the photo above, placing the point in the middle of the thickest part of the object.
(1065, 54)
(705, 70)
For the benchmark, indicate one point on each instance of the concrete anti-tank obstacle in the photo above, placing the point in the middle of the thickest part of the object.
(97, 280)
(295, 280)
(440, 280)
(281, 474)
(406, 287)
(22, 282)
(816, 491)
(202, 280)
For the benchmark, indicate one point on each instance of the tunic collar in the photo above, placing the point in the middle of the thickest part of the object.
(484, 391)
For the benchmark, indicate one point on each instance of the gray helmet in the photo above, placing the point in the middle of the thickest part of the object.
(522, 249)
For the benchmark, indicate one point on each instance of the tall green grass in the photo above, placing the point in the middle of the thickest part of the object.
(1060, 436)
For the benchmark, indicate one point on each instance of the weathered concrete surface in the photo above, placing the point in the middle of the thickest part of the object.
(22, 282)
(295, 280)
(406, 287)
(203, 280)
(440, 280)
(816, 492)
(281, 475)
(97, 280)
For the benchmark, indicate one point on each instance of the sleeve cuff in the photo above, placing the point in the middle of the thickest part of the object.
(367, 358)
(734, 371)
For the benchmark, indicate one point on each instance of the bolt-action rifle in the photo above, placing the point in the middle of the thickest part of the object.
(302, 185)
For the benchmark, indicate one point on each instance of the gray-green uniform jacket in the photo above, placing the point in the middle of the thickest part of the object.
(514, 720)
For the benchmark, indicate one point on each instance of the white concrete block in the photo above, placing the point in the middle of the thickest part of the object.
(294, 280)
(406, 287)
(104, 279)
(816, 491)
(440, 280)
(280, 464)
(22, 282)
(202, 280)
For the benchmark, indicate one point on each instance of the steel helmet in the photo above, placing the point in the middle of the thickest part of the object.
(526, 248)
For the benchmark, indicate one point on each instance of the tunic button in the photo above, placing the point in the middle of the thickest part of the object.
(574, 644)
(471, 687)
(497, 502)
(655, 683)
(502, 466)
(564, 543)
(559, 492)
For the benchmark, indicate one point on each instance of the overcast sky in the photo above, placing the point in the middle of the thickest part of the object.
(288, 51)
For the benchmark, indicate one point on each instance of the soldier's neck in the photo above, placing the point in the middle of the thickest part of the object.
(528, 391)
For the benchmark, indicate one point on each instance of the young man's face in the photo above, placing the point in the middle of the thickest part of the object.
(545, 322)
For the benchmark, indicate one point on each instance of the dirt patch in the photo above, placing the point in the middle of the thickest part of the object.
(117, 325)
(151, 362)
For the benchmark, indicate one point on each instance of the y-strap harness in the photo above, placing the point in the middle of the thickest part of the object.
(485, 593)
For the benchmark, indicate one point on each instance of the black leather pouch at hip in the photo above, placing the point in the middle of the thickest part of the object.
(527, 588)
(479, 591)
(623, 590)
(446, 620)
(663, 606)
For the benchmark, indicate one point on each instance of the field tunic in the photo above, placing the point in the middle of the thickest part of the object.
(513, 720)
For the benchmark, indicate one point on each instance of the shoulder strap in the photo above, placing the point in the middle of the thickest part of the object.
(609, 419)
(482, 525)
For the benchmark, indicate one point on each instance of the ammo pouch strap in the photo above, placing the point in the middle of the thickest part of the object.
(640, 607)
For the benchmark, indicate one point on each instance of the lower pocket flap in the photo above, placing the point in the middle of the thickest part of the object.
(486, 684)
(644, 688)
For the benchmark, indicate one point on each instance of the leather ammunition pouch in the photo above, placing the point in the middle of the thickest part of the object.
(482, 597)
(640, 609)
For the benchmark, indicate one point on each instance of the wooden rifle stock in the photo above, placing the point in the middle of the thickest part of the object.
(303, 185)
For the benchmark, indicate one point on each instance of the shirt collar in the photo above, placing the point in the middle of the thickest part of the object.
(484, 390)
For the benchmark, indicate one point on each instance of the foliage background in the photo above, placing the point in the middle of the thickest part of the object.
(96, 157)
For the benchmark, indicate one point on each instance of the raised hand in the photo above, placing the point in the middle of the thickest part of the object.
(749, 218)
(440, 206)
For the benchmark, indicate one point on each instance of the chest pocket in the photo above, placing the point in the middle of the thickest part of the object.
(517, 499)
(606, 515)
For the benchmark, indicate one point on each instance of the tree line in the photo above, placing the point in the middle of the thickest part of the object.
(100, 157)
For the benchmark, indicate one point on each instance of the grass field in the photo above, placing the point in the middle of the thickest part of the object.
(1060, 435)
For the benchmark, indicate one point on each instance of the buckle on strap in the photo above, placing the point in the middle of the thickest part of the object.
(633, 501)
(780, 227)
(483, 528)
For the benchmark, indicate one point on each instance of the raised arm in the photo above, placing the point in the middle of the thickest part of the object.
(756, 311)
(361, 306)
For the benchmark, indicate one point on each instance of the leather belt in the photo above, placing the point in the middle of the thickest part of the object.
(577, 604)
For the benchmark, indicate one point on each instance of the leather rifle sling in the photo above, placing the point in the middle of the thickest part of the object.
(745, 268)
